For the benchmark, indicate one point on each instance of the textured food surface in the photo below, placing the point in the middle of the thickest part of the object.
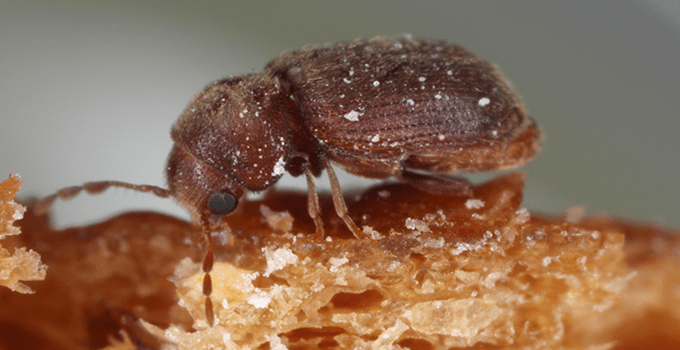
(440, 272)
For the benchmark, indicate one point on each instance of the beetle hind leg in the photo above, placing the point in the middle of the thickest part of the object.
(436, 184)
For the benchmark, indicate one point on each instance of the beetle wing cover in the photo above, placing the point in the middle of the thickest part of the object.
(394, 99)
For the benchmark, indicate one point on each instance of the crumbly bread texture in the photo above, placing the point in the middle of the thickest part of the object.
(440, 272)
(22, 264)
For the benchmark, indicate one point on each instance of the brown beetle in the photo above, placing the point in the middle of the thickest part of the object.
(413, 109)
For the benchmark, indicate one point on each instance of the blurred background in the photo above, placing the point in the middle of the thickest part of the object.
(89, 89)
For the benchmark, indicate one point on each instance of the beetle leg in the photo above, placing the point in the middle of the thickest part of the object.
(436, 184)
(313, 202)
(339, 202)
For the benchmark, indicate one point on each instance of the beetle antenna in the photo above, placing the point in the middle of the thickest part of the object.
(207, 267)
(93, 188)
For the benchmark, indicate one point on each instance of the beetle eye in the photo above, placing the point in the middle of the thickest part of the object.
(222, 203)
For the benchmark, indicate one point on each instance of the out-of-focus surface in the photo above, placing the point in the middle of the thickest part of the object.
(89, 90)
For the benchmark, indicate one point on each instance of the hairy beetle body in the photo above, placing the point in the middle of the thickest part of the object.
(375, 107)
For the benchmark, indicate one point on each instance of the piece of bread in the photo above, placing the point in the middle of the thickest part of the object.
(440, 272)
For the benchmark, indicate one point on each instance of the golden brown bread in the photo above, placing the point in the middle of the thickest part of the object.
(440, 272)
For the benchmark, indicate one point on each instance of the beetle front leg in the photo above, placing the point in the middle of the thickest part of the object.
(313, 207)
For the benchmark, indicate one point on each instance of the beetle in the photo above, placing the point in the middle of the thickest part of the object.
(417, 110)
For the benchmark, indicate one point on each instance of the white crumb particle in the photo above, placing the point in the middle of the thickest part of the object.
(317, 287)
(225, 303)
(477, 216)
(547, 260)
(376, 83)
(461, 247)
(428, 287)
(337, 262)
(246, 283)
(441, 137)
(393, 266)
(433, 243)
(474, 204)
(18, 214)
(260, 300)
(582, 261)
(329, 239)
(278, 259)
(417, 225)
(421, 79)
(279, 167)
(376, 138)
(371, 232)
(226, 338)
(352, 116)
(523, 215)
(275, 343)
(484, 101)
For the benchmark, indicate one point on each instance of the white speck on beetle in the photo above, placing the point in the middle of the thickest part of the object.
(376, 138)
(449, 72)
(484, 101)
(279, 167)
(346, 80)
(376, 83)
(352, 116)
(410, 102)
(421, 79)
(438, 96)
(441, 137)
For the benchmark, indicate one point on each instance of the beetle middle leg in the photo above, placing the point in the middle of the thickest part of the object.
(339, 203)
(436, 184)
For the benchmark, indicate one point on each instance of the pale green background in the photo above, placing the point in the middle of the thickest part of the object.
(89, 90)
